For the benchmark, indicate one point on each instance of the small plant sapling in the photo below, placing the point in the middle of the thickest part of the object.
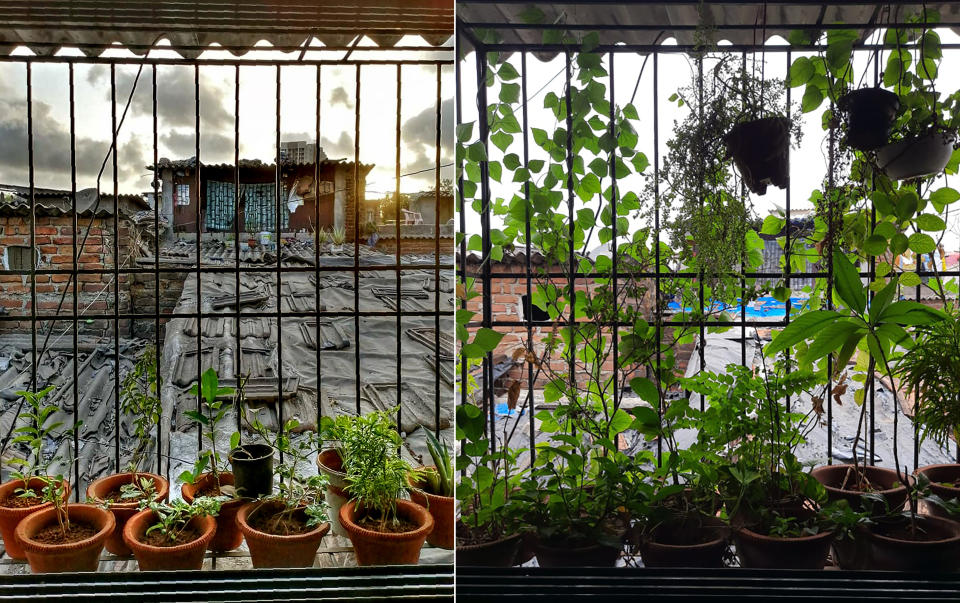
(173, 517)
(439, 479)
(140, 399)
(211, 392)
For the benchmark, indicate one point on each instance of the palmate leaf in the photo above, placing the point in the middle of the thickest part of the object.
(802, 327)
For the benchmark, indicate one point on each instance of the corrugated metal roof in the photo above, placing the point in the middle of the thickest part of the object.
(741, 22)
(47, 25)
(16, 199)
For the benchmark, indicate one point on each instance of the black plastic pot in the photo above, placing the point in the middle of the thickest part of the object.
(870, 116)
(252, 470)
(760, 150)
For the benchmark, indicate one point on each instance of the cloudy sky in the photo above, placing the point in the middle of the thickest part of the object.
(176, 128)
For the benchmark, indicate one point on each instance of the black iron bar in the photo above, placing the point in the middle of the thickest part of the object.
(528, 307)
(76, 253)
(278, 243)
(116, 265)
(436, 270)
(316, 251)
(397, 238)
(356, 243)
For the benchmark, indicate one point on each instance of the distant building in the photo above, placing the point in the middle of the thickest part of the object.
(300, 151)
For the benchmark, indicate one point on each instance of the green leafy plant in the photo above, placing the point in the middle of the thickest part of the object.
(173, 518)
(438, 479)
(33, 434)
(323, 236)
(211, 393)
(338, 236)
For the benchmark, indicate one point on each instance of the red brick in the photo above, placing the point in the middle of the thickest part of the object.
(45, 230)
(49, 249)
(61, 259)
(11, 303)
(14, 240)
(60, 278)
(11, 278)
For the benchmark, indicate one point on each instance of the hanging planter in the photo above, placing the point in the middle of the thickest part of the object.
(871, 113)
(917, 156)
(252, 470)
(761, 151)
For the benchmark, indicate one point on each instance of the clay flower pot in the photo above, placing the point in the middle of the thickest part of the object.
(497, 553)
(804, 552)
(939, 552)
(594, 555)
(441, 509)
(938, 475)
(387, 548)
(186, 556)
(832, 476)
(80, 556)
(330, 464)
(657, 550)
(228, 536)
(10, 517)
(273, 550)
(123, 511)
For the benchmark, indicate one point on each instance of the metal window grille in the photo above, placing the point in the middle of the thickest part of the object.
(493, 278)
(79, 337)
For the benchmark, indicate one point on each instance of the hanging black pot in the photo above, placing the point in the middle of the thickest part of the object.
(760, 150)
(252, 470)
(870, 116)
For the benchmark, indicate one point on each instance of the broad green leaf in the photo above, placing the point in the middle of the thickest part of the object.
(487, 339)
(802, 327)
(801, 71)
(847, 282)
(899, 243)
(875, 245)
(646, 389)
(931, 223)
(922, 243)
(910, 279)
(812, 97)
(831, 337)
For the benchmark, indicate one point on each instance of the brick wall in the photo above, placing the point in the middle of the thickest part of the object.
(389, 245)
(54, 241)
(143, 295)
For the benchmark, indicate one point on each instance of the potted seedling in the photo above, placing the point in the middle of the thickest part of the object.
(433, 488)
(123, 492)
(208, 477)
(384, 528)
(20, 496)
(486, 529)
(172, 536)
(252, 463)
(338, 237)
(772, 502)
(61, 537)
(285, 529)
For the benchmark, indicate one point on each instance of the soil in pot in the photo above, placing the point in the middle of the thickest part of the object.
(841, 482)
(375, 547)
(871, 113)
(283, 542)
(156, 551)
(14, 509)
(688, 544)
(441, 508)
(934, 547)
(228, 536)
(760, 150)
(78, 552)
(330, 464)
(482, 548)
(108, 489)
(252, 470)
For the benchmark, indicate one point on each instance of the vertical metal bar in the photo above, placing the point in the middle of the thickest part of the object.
(356, 245)
(33, 233)
(396, 221)
(703, 331)
(743, 267)
(436, 267)
(196, 133)
(872, 270)
(156, 268)
(528, 272)
(74, 280)
(462, 266)
(279, 243)
(916, 424)
(116, 269)
(238, 355)
(613, 241)
(656, 233)
(830, 235)
(316, 251)
(571, 277)
(786, 246)
(483, 134)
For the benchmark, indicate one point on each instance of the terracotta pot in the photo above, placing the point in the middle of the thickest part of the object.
(387, 548)
(123, 511)
(186, 556)
(441, 509)
(228, 536)
(595, 555)
(941, 554)
(330, 464)
(831, 476)
(80, 556)
(272, 550)
(871, 112)
(498, 553)
(916, 156)
(11, 517)
(760, 150)
(945, 472)
(804, 552)
(657, 551)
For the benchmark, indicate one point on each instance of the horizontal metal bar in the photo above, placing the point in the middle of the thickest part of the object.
(224, 314)
(612, 323)
(228, 269)
(235, 48)
(692, 26)
(682, 49)
(221, 62)
(662, 275)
